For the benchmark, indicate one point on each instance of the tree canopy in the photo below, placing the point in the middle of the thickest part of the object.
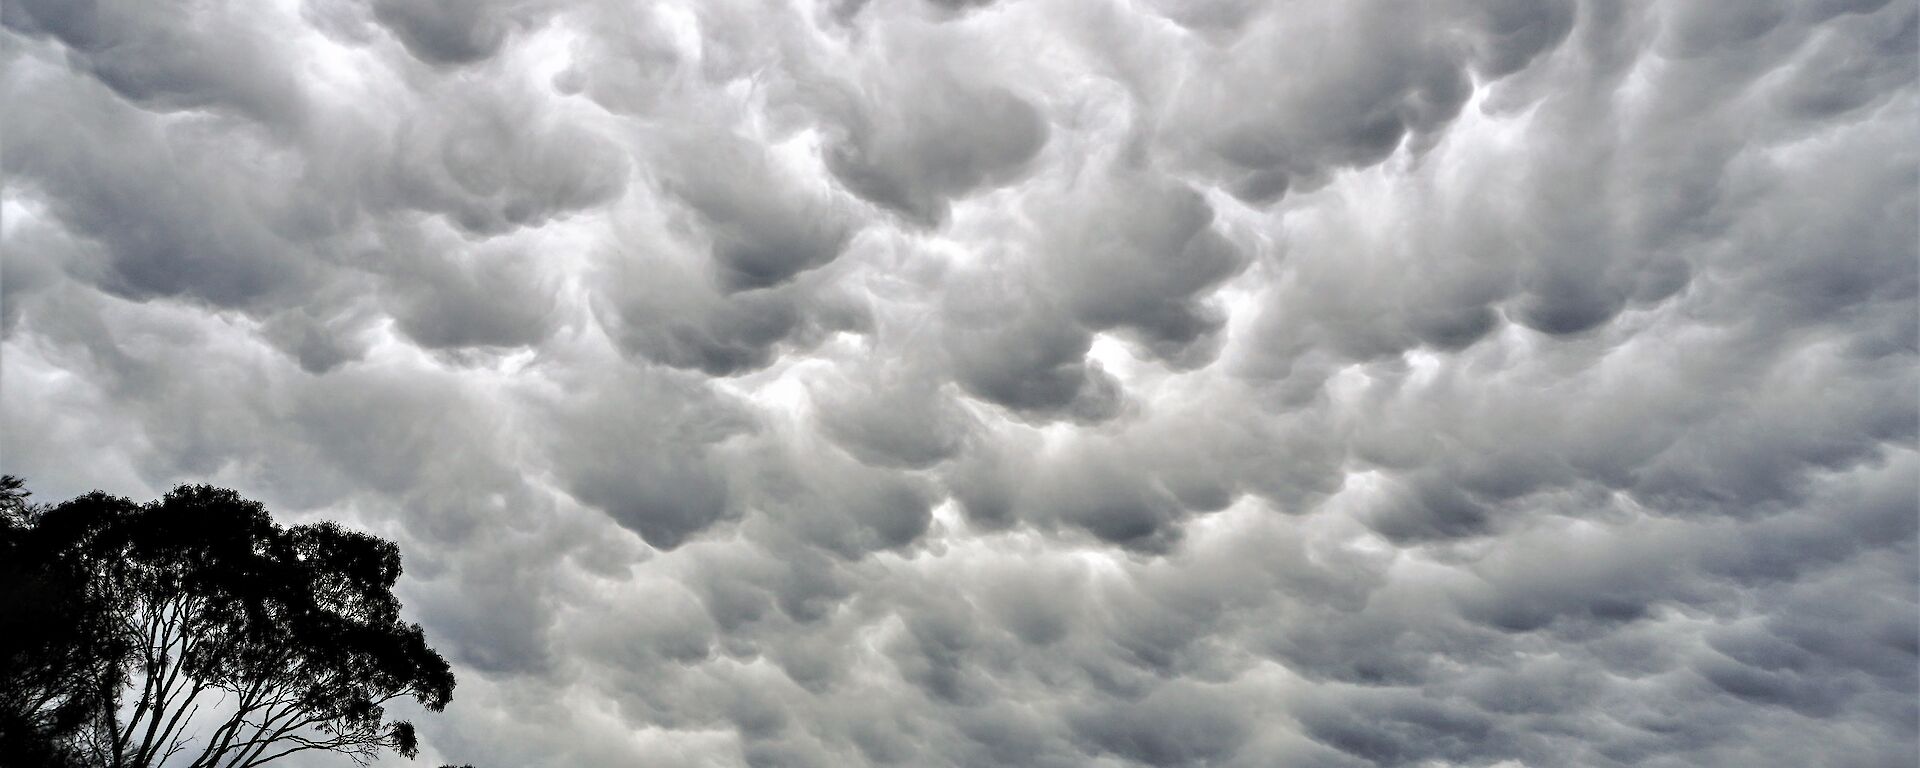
(193, 630)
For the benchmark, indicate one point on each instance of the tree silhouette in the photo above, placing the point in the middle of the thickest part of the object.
(58, 651)
(195, 631)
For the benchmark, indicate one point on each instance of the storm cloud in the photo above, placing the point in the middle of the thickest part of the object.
(1022, 383)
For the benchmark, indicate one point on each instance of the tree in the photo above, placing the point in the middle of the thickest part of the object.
(57, 651)
(214, 637)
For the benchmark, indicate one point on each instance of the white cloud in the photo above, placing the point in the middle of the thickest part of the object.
(1029, 382)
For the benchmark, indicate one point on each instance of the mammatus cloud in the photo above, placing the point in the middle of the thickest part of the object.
(1032, 382)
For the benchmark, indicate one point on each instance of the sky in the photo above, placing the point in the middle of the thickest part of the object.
(1048, 383)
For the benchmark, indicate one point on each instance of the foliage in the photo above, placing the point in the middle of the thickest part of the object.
(58, 648)
(196, 628)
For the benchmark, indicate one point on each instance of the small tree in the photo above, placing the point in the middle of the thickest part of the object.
(225, 638)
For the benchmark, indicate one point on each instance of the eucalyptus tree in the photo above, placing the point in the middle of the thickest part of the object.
(57, 651)
(216, 638)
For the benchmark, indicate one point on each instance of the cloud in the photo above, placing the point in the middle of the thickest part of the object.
(1167, 383)
(914, 129)
(450, 33)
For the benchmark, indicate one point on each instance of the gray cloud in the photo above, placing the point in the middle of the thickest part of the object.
(1131, 250)
(442, 32)
(1217, 383)
(913, 131)
(165, 61)
(763, 230)
(956, 140)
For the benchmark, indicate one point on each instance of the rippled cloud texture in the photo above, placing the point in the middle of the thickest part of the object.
(1022, 383)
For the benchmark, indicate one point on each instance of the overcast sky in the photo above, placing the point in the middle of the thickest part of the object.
(1024, 383)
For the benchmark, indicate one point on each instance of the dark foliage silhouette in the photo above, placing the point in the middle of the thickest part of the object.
(195, 631)
(59, 653)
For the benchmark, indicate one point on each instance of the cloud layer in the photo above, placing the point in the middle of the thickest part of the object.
(1032, 382)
